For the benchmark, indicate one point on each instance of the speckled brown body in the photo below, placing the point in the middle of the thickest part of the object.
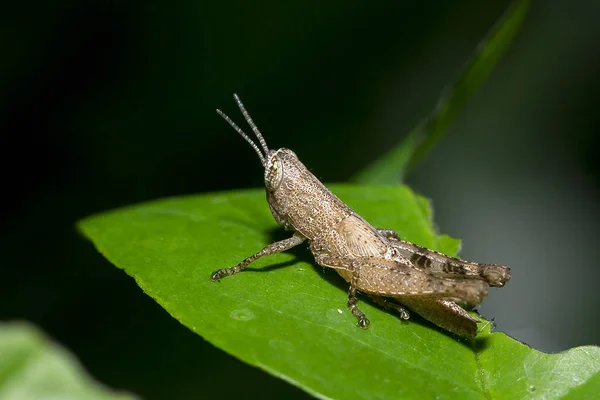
(393, 272)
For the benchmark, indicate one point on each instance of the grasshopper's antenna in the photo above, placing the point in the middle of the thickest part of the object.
(252, 124)
(242, 134)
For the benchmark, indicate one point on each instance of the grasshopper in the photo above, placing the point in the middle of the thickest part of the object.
(394, 273)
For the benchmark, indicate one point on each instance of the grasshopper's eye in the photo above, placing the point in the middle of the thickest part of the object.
(273, 173)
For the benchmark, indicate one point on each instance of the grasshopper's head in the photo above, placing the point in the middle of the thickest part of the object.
(273, 161)
(280, 166)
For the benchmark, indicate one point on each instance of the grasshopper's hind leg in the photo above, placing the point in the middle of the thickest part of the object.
(273, 248)
(443, 313)
(439, 264)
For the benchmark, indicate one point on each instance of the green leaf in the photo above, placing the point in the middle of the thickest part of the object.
(289, 317)
(32, 367)
(393, 166)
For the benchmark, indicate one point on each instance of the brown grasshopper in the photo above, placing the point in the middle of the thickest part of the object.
(393, 272)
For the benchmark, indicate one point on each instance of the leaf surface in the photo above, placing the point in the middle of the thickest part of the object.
(289, 317)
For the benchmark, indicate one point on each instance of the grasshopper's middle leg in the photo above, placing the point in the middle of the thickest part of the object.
(273, 248)
(390, 305)
(388, 233)
(349, 270)
(363, 322)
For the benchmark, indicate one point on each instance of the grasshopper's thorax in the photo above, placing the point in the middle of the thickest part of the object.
(298, 200)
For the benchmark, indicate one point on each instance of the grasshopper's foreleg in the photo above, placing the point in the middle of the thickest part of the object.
(273, 248)
(390, 305)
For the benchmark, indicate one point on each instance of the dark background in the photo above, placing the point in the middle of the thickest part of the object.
(105, 104)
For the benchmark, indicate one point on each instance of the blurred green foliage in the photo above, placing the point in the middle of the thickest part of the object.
(32, 367)
(393, 166)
